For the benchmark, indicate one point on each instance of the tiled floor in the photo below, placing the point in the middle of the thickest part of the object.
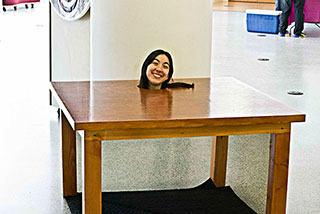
(30, 162)
(292, 65)
(30, 180)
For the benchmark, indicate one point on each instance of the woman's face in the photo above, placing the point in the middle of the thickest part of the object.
(158, 70)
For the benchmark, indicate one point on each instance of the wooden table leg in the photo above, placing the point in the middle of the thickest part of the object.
(92, 198)
(219, 154)
(278, 173)
(69, 173)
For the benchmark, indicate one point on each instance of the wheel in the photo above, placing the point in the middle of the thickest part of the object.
(15, 7)
(32, 5)
(26, 6)
(4, 9)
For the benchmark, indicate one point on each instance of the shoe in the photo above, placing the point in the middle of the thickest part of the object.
(283, 34)
(301, 35)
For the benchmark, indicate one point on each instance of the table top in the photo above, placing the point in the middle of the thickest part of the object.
(122, 103)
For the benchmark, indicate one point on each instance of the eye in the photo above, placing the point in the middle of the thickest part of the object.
(165, 66)
(155, 63)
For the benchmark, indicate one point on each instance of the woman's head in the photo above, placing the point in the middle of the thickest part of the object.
(157, 70)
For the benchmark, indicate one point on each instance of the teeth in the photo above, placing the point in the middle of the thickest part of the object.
(157, 75)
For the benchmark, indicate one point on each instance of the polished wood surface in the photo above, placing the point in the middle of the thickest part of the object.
(219, 154)
(114, 110)
(278, 173)
(242, 6)
(255, 1)
(111, 104)
(69, 174)
(178, 130)
(92, 197)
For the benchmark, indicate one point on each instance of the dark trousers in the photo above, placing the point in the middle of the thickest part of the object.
(285, 6)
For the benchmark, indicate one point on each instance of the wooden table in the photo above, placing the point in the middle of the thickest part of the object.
(116, 110)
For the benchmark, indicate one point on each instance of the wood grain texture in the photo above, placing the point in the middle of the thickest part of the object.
(61, 105)
(219, 154)
(272, 2)
(114, 110)
(187, 123)
(112, 104)
(69, 174)
(221, 130)
(92, 197)
(242, 6)
(278, 173)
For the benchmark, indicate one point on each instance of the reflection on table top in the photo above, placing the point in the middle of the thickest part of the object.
(213, 100)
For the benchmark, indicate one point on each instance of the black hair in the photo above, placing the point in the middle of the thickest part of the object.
(144, 79)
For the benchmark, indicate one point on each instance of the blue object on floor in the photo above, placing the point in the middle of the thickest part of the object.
(263, 21)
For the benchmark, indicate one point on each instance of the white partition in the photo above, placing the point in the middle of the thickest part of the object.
(70, 48)
(123, 33)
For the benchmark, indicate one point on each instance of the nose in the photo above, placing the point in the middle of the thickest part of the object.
(159, 68)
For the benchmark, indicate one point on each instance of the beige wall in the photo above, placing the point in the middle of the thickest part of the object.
(125, 32)
(70, 48)
(71, 41)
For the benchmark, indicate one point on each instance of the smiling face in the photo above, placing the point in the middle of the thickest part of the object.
(158, 70)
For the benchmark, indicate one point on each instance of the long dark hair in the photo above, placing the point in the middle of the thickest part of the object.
(144, 79)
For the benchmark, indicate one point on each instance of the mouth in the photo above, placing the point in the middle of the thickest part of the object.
(157, 75)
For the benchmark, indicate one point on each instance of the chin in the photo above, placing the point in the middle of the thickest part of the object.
(156, 82)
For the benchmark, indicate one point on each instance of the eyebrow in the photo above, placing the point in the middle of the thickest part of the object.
(163, 63)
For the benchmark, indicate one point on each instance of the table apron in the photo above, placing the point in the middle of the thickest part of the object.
(123, 134)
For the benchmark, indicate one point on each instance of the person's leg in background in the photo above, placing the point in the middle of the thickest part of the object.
(285, 6)
(277, 5)
(299, 17)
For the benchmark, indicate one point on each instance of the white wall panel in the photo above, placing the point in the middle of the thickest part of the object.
(124, 32)
(70, 48)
